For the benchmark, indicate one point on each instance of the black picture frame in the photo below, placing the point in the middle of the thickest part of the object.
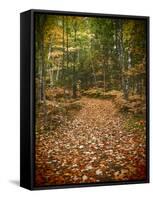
(27, 99)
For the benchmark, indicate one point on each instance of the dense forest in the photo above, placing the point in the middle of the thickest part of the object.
(90, 96)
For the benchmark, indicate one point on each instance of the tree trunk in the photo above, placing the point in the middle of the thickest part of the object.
(92, 66)
(74, 70)
(121, 59)
(67, 43)
(42, 71)
(104, 80)
(63, 67)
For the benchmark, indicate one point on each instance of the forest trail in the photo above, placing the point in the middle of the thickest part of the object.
(93, 147)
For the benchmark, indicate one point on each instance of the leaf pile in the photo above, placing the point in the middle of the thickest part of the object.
(92, 147)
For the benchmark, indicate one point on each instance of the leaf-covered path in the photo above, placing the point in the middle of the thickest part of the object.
(93, 147)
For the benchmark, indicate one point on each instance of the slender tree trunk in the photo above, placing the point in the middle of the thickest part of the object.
(38, 60)
(42, 70)
(67, 43)
(92, 66)
(63, 64)
(42, 50)
(104, 80)
(57, 73)
(118, 52)
(121, 59)
(74, 70)
(51, 77)
(40, 77)
(63, 41)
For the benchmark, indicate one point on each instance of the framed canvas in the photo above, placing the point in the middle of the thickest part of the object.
(84, 99)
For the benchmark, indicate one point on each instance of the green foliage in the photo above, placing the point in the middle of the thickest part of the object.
(102, 57)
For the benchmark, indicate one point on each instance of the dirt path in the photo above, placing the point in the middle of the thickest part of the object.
(94, 147)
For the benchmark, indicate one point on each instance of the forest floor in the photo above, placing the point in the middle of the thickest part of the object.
(93, 146)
